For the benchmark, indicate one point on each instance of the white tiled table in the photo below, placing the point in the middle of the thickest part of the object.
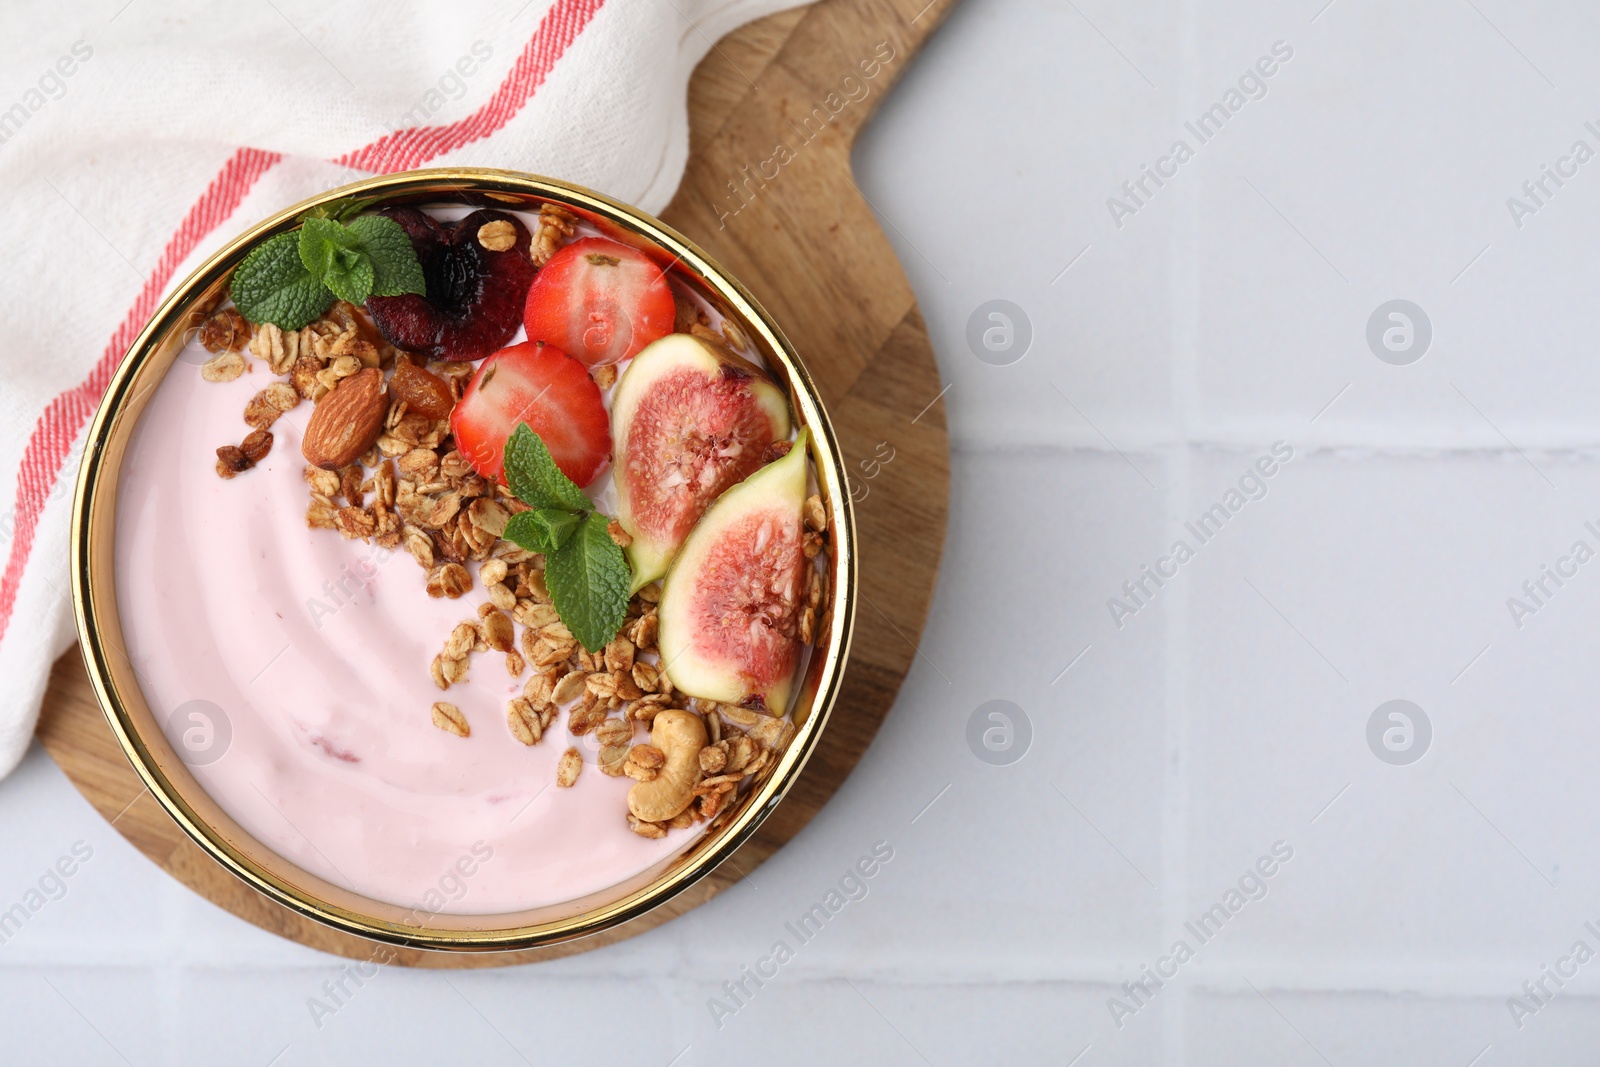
(1230, 713)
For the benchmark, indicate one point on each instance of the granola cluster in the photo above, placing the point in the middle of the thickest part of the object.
(413, 489)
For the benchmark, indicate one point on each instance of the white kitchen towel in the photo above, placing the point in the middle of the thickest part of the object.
(136, 139)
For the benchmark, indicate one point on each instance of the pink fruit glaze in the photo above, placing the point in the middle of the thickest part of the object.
(334, 763)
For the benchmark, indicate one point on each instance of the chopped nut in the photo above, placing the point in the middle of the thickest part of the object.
(816, 518)
(713, 758)
(355, 523)
(387, 533)
(605, 376)
(497, 236)
(320, 516)
(448, 717)
(383, 484)
(554, 226)
(711, 803)
(303, 376)
(323, 483)
(222, 368)
(225, 331)
(568, 769)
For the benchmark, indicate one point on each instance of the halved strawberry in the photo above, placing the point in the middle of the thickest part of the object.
(600, 300)
(544, 387)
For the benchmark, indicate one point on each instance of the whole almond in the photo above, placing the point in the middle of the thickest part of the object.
(347, 421)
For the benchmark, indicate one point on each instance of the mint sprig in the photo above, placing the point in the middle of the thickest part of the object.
(542, 529)
(291, 279)
(341, 210)
(272, 285)
(533, 476)
(585, 570)
(394, 262)
(332, 253)
(588, 580)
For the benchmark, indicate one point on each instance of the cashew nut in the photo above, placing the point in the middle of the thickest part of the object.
(680, 735)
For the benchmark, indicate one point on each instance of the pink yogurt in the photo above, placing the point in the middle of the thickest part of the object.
(316, 649)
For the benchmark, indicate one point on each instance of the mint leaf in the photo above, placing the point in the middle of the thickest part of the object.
(331, 252)
(272, 284)
(534, 477)
(394, 261)
(587, 574)
(524, 531)
(588, 579)
(542, 530)
(339, 210)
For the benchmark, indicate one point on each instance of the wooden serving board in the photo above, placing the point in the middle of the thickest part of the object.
(807, 244)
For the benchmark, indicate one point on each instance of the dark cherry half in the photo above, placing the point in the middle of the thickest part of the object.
(475, 296)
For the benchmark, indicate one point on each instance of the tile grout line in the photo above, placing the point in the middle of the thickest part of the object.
(1184, 260)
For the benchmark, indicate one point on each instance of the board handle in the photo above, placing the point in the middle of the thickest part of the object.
(802, 113)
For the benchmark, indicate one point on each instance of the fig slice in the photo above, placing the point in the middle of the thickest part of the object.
(688, 420)
(729, 612)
